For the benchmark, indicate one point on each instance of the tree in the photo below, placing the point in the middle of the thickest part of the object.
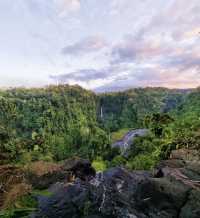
(157, 123)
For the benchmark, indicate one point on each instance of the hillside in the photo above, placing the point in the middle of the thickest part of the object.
(127, 109)
(57, 122)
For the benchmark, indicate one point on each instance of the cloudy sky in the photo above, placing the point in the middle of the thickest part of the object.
(100, 44)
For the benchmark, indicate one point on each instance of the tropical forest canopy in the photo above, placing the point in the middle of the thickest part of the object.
(57, 122)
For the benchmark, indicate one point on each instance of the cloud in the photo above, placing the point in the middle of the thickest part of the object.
(183, 62)
(82, 75)
(178, 20)
(157, 47)
(84, 46)
(162, 52)
(73, 5)
(106, 74)
(132, 49)
(67, 6)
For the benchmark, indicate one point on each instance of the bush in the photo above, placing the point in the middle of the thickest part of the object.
(118, 161)
(99, 164)
(142, 162)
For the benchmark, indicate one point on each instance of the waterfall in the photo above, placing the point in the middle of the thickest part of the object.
(103, 198)
(97, 181)
(101, 113)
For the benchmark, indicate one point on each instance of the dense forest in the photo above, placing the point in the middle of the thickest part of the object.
(127, 109)
(58, 122)
(51, 123)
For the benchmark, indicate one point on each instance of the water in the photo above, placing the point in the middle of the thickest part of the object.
(97, 181)
(128, 139)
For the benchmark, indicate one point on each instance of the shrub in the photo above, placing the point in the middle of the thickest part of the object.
(99, 164)
(118, 161)
(142, 162)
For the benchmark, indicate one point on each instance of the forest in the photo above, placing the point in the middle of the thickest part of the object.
(57, 122)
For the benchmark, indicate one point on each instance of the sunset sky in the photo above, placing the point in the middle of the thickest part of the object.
(100, 44)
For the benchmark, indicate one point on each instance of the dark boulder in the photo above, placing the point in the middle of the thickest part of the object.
(170, 191)
(109, 195)
(79, 168)
(42, 174)
(118, 193)
(191, 208)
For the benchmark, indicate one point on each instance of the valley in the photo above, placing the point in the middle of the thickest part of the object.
(55, 140)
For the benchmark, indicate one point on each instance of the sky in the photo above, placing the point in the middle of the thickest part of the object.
(103, 45)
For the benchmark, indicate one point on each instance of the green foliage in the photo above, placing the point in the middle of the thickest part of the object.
(179, 129)
(127, 109)
(99, 164)
(118, 135)
(55, 122)
(146, 151)
(118, 160)
(44, 192)
(142, 162)
(58, 122)
(157, 122)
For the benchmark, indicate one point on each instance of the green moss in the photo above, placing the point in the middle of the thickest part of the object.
(45, 193)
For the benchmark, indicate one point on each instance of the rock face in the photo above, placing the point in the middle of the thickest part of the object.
(43, 174)
(171, 191)
(79, 168)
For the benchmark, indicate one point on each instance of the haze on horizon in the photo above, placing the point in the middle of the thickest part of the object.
(100, 44)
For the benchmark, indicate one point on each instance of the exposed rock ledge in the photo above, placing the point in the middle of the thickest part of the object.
(172, 190)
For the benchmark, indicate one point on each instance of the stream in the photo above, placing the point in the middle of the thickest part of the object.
(128, 139)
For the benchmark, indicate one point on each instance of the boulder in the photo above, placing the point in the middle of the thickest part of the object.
(119, 193)
(79, 168)
(191, 208)
(112, 195)
(171, 191)
(42, 174)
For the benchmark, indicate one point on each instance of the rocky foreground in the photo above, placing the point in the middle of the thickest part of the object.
(172, 190)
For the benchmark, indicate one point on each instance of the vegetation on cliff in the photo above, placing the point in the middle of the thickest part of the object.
(58, 122)
(41, 126)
